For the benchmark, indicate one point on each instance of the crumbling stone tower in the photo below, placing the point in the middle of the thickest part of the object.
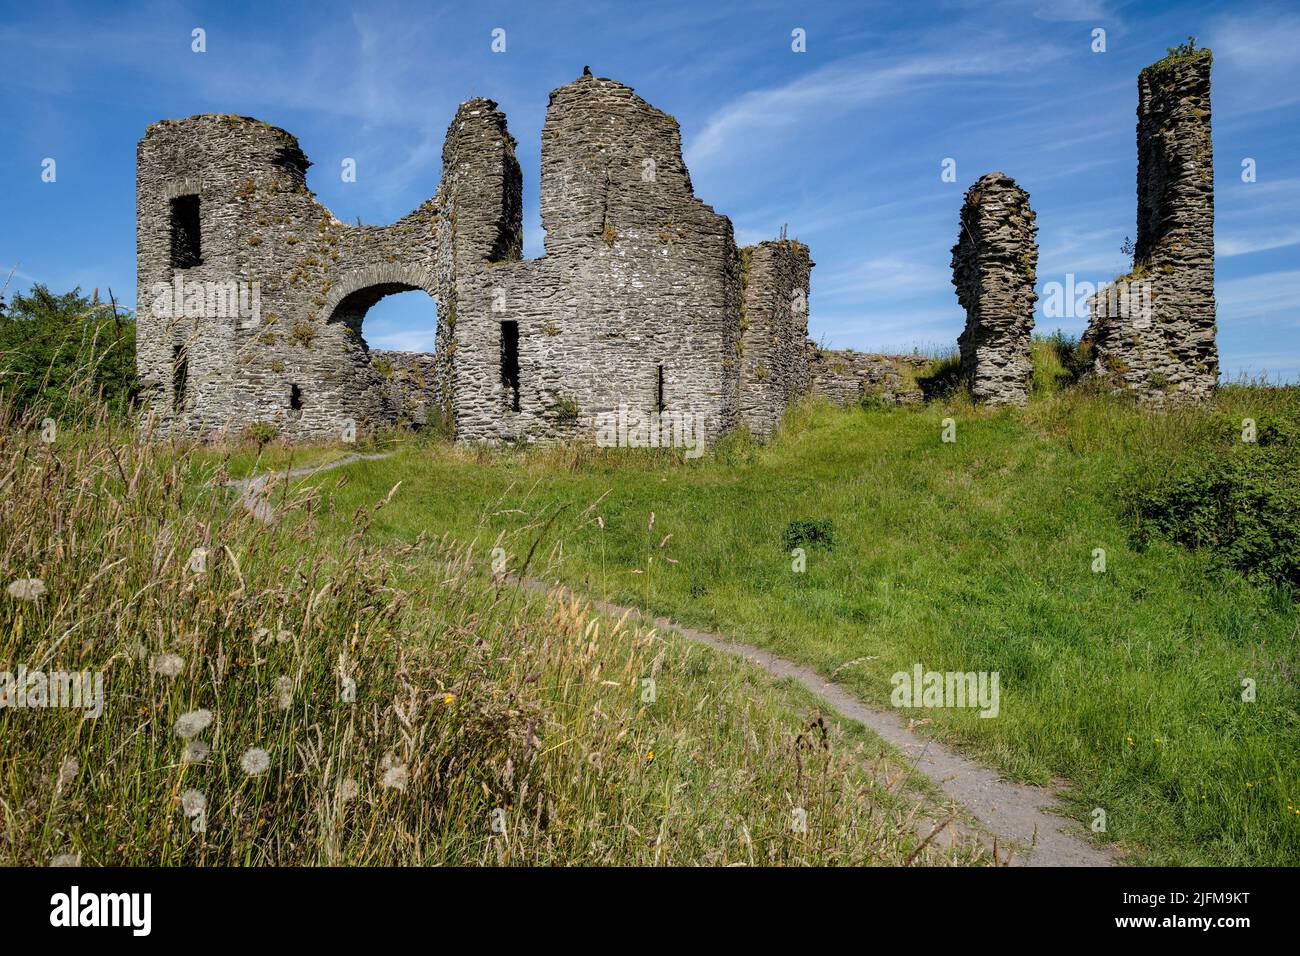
(222, 203)
(1157, 336)
(774, 331)
(635, 303)
(993, 265)
(635, 307)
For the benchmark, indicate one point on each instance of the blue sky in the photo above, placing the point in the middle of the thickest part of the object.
(844, 143)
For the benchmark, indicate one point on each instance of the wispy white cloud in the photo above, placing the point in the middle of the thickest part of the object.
(1240, 244)
(885, 278)
(845, 86)
(1271, 295)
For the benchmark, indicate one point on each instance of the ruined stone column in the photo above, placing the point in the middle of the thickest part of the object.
(993, 267)
(774, 331)
(1157, 335)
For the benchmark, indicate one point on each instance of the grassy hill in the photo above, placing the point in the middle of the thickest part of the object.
(976, 555)
(307, 691)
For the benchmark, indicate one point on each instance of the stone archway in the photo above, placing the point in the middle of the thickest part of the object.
(412, 387)
(355, 292)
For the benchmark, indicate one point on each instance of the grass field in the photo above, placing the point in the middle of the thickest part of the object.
(976, 555)
(274, 694)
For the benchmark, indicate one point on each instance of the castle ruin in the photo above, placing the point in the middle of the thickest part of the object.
(1154, 329)
(252, 294)
(993, 265)
(641, 304)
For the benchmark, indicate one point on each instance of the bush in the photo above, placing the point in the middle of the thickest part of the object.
(1239, 502)
(63, 351)
(814, 532)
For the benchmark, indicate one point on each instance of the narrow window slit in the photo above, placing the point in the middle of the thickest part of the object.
(187, 249)
(659, 390)
(180, 376)
(510, 362)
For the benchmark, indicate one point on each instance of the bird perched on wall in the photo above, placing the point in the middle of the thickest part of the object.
(586, 71)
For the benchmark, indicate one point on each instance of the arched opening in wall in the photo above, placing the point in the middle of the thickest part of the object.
(397, 326)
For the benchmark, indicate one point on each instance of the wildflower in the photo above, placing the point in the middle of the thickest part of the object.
(194, 723)
(449, 699)
(650, 756)
(169, 665)
(348, 790)
(396, 778)
(196, 751)
(193, 802)
(27, 589)
(255, 761)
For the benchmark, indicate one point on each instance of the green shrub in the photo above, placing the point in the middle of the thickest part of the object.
(62, 351)
(1236, 500)
(941, 379)
(874, 400)
(1058, 362)
(262, 433)
(813, 532)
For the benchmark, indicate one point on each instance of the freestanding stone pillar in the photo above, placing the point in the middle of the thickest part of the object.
(993, 266)
(1157, 337)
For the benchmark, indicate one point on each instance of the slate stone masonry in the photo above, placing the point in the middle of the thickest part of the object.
(994, 268)
(1158, 339)
(636, 302)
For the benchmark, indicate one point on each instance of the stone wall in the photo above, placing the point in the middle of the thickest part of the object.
(414, 385)
(296, 360)
(1157, 336)
(773, 354)
(994, 269)
(844, 376)
(635, 304)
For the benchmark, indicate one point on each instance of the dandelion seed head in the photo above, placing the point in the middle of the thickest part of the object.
(68, 771)
(169, 665)
(194, 723)
(193, 802)
(396, 778)
(27, 589)
(255, 761)
(66, 859)
(348, 790)
(196, 751)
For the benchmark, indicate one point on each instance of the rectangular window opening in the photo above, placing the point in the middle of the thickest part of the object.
(180, 376)
(186, 245)
(510, 362)
(659, 390)
(295, 397)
